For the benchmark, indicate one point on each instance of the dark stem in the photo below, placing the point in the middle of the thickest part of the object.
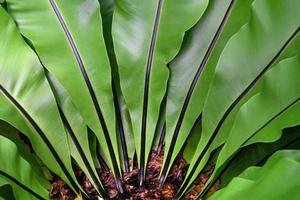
(74, 138)
(41, 134)
(161, 139)
(107, 17)
(27, 189)
(81, 152)
(92, 94)
(146, 94)
(230, 161)
(190, 92)
(232, 106)
(102, 162)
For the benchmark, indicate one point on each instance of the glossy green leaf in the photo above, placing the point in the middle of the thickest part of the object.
(147, 35)
(20, 173)
(23, 83)
(67, 37)
(22, 142)
(277, 179)
(230, 79)
(126, 138)
(193, 68)
(268, 113)
(78, 133)
(256, 153)
(233, 82)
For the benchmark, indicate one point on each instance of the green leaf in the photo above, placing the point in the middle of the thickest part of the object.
(147, 35)
(258, 152)
(28, 104)
(232, 82)
(268, 113)
(193, 68)
(69, 43)
(265, 115)
(277, 179)
(22, 142)
(78, 134)
(123, 119)
(20, 173)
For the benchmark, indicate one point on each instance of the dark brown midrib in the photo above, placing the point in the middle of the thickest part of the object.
(81, 152)
(230, 161)
(21, 185)
(146, 93)
(41, 134)
(92, 94)
(72, 135)
(191, 90)
(232, 106)
(115, 81)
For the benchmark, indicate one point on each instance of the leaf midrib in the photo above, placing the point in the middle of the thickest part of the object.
(40, 132)
(146, 92)
(91, 92)
(24, 187)
(237, 100)
(230, 161)
(191, 90)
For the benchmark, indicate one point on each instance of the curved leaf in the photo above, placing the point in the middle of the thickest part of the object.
(257, 153)
(73, 50)
(78, 133)
(22, 142)
(193, 68)
(20, 173)
(123, 119)
(22, 84)
(233, 82)
(147, 35)
(267, 113)
(267, 182)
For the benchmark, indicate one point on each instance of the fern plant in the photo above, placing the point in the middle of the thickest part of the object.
(149, 99)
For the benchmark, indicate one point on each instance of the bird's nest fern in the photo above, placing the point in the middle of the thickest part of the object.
(149, 99)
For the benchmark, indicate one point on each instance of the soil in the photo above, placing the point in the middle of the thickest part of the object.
(200, 183)
(59, 190)
(150, 191)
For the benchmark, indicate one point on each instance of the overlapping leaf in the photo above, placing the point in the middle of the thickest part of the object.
(70, 44)
(232, 82)
(147, 35)
(126, 137)
(193, 68)
(27, 102)
(27, 183)
(267, 182)
(265, 115)
(77, 132)
(257, 153)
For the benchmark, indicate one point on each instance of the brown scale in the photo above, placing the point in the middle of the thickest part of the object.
(150, 191)
(199, 185)
(59, 190)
